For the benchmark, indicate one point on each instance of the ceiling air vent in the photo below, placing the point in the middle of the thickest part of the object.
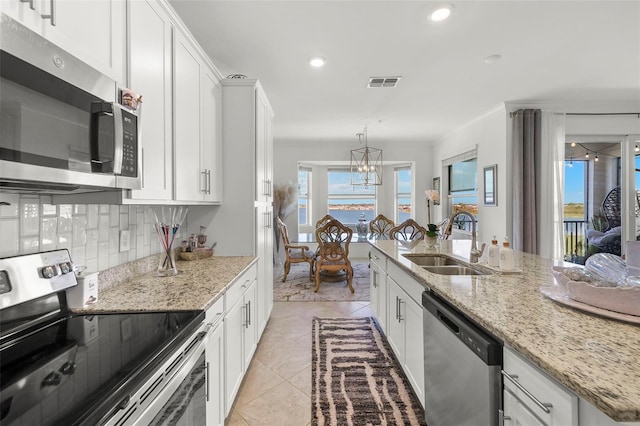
(383, 82)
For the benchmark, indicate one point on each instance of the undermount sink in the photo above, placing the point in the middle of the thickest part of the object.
(431, 260)
(453, 270)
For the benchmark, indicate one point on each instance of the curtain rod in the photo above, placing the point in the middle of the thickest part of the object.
(514, 113)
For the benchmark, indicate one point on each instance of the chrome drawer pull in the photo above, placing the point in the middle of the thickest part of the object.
(544, 406)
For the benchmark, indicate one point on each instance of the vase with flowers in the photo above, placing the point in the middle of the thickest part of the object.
(431, 238)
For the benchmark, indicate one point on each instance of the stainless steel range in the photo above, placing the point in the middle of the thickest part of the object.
(62, 368)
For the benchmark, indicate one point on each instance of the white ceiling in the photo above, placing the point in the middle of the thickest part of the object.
(578, 51)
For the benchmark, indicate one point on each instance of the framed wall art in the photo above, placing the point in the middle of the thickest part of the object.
(490, 176)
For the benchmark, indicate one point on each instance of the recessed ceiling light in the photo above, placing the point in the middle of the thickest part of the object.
(317, 62)
(441, 12)
(492, 58)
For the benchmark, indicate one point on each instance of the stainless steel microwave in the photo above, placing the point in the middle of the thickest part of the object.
(61, 127)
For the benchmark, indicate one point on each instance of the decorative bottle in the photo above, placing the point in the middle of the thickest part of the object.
(506, 256)
(362, 226)
(494, 253)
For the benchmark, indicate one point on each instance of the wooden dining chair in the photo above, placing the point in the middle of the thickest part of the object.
(380, 227)
(409, 230)
(294, 253)
(333, 251)
(324, 220)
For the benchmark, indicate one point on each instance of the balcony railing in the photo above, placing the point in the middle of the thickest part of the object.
(575, 240)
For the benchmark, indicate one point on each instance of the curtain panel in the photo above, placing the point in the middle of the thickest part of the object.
(526, 173)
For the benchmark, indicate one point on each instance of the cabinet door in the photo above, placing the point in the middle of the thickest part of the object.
(189, 178)
(211, 118)
(93, 31)
(250, 324)
(264, 149)
(215, 376)
(413, 366)
(378, 289)
(234, 365)
(264, 248)
(150, 76)
(395, 324)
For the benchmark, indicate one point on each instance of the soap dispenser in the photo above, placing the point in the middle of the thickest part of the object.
(506, 256)
(494, 253)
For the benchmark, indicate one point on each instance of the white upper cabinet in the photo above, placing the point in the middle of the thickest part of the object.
(211, 123)
(197, 140)
(150, 76)
(93, 31)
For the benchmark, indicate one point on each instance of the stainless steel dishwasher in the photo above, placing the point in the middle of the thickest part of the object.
(462, 366)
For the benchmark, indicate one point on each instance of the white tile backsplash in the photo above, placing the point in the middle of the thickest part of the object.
(91, 232)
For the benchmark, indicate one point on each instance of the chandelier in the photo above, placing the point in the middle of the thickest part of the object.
(366, 164)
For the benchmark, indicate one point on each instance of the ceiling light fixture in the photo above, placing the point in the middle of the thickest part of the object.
(587, 155)
(637, 148)
(596, 158)
(573, 144)
(571, 162)
(366, 163)
(441, 13)
(317, 62)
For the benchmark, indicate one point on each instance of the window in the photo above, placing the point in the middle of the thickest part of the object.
(463, 191)
(402, 194)
(304, 189)
(346, 202)
(576, 179)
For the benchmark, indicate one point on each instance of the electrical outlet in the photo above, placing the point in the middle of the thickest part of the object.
(125, 240)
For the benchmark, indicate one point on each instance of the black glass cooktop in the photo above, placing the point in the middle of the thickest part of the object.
(77, 369)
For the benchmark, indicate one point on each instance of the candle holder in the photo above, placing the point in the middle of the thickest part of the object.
(167, 224)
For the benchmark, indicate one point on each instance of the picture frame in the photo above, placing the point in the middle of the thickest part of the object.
(490, 179)
(436, 186)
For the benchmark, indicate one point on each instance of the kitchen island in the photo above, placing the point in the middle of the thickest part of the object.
(596, 358)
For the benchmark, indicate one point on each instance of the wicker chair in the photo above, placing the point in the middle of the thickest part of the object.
(611, 208)
(380, 227)
(409, 230)
(294, 254)
(333, 251)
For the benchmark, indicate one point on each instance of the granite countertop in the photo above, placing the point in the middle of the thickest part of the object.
(201, 284)
(595, 357)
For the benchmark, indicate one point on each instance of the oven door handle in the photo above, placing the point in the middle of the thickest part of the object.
(172, 381)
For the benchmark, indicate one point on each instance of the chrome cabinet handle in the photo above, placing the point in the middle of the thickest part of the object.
(31, 6)
(375, 279)
(502, 417)
(203, 187)
(206, 375)
(400, 302)
(52, 15)
(208, 181)
(249, 313)
(544, 406)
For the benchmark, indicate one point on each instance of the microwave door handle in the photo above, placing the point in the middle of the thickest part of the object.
(118, 145)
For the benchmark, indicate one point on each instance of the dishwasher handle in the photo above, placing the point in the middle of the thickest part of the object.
(449, 323)
(484, 345)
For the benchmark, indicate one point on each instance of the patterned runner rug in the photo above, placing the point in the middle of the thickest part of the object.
(356, 379)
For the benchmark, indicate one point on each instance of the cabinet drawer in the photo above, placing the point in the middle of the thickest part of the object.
(215, 313)
(376, 256)
(237, 289)
(408, 283)
(562, 405)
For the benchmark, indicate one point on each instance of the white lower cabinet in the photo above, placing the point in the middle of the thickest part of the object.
(532, 398)
(240, 329)
(405, 332)
(378, 287)
(215, 358)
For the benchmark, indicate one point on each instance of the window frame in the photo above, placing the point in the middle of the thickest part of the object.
(308, 197)
(398, 195)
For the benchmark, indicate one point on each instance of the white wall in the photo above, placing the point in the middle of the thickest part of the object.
(288, 154)
(489, 134)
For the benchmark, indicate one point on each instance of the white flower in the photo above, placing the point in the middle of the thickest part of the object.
(432, 195)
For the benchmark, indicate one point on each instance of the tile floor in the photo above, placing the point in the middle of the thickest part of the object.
(277, 387)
